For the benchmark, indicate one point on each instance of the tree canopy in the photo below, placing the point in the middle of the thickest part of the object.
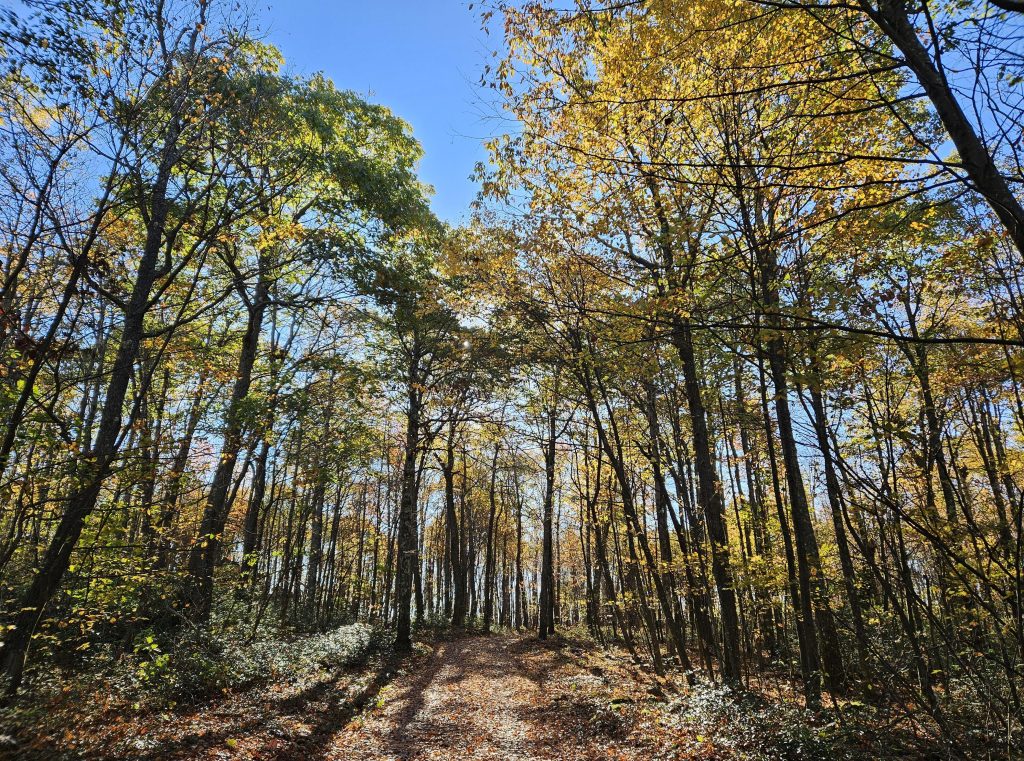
(723, 371)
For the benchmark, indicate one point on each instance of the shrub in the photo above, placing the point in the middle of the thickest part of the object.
(756, 728)
(196, 665)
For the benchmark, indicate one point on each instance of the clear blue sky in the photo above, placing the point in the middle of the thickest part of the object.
(421, 59)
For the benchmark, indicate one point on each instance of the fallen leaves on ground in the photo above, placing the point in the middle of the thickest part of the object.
(487, 698)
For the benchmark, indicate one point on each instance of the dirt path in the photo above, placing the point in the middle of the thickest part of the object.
(501, 698)
(480, 698)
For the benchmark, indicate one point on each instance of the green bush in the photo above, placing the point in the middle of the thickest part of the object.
(196, 664)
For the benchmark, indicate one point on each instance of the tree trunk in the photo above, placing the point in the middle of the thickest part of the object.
(95, 464)
(407, 534)
(206, 550)
(546, 614)
(892, 18)
(709, 492)
(489, 554)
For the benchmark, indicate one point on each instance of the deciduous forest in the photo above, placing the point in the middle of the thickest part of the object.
(702, 437)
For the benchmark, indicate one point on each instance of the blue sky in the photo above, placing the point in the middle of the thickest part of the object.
(421, 59)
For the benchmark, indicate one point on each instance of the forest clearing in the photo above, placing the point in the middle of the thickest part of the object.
(598, 379)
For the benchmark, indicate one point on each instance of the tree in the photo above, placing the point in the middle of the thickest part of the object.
(333, 175)
(169, 123)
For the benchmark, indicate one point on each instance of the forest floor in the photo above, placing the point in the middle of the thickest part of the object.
(501, 697)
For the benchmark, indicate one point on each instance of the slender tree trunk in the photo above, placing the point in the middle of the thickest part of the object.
(710, 497)
(893, 19)
(842, 543)
(546, 614)
(95, 464)
(454, 534)
(206, 551)
(814, 604)
(407, 533)
(489, 554)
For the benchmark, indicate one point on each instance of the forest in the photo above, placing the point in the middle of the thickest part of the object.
(701, 437)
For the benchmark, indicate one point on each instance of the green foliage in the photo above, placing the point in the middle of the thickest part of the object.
(192, 666)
